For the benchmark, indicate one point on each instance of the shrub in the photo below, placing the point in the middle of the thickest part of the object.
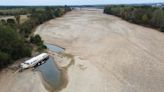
(4, 59)
(11, 21)
(12, 46)
(162, 28)
(3, 22)
(145, 19)
(158, 18)
(38, 41)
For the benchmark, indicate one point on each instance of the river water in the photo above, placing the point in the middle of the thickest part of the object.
(49, 70)
(54, 48)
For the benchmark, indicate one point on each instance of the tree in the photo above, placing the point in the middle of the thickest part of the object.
(145, 19)
(11, 21)
(158, 18)
(162, 28)
(4, 59)
(137, 15)
(17, 17)
(107, 10)
(38, 41)
(26, 28)
(67, 8)
(3, 22)
(12, 43)
(58, 12)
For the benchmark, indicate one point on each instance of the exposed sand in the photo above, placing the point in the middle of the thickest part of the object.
(111, 55)
(26, 81)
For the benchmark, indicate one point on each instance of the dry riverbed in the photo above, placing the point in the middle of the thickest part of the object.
(110, 54)
(103, 54)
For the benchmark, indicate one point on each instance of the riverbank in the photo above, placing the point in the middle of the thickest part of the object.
(26, 81)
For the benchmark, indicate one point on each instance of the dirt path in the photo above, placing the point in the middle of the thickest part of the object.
(111, 55)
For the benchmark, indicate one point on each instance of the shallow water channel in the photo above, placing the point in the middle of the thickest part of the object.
(49, 70)
(54, 48)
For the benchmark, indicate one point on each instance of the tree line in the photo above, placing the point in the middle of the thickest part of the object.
(17, 40)
(143, 15)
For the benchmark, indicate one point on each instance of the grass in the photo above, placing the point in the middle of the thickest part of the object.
(23, 18)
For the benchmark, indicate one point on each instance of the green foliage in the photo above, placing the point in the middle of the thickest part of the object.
(41, 47)
(67, 8)
(12, 45)
(137, 15)
(158, 18)
(162, 28)
(145, 19)
(144, 15)
(26, 28)
(11, 21)
(38, 41)
(3, 22)
(17, 17)
(4, 59)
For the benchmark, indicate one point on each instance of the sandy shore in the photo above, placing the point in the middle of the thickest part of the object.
(111, 55)
(27, 81)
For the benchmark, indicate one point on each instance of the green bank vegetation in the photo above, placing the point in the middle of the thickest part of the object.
(17, 40)
(143, 15)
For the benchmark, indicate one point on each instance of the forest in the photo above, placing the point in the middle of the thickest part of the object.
(142, 15)
(16, 39)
